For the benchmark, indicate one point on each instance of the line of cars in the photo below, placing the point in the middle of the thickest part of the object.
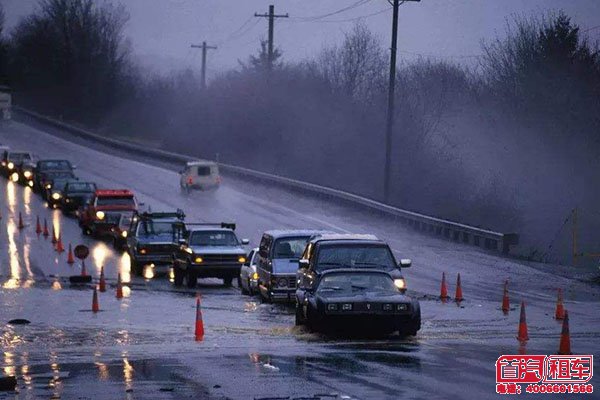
(333, 279)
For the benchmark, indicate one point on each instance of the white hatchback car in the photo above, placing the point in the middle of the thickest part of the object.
(200, 175)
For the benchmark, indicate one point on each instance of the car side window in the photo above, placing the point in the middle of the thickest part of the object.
(249, 259)
(265, 245)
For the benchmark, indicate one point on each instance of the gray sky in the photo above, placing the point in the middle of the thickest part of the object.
(161, 31)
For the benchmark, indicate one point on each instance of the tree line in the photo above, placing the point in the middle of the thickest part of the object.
(486, 144)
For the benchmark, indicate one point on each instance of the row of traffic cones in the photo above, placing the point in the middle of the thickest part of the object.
(564, 346)
(101, 287)
(458, 296)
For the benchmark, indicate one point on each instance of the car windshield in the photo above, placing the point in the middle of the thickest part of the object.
(59, 184)
(289, 247)
(213, 238)
(55, 164)
(59, 175)
(349, 282)
(82, 187)
(115, 201)
(148, 228)
(19, 157)
(353, 255)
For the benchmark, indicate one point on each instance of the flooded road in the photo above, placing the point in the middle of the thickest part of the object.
(142, 346)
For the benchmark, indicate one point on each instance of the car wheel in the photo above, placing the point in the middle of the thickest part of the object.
(311, 320)
(413, 326)
(192, 279)
(137, 268)
(177, 276)
(228, 281)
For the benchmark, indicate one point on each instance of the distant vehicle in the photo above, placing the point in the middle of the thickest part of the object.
(12, 161)
(103, 213)
(248, 279)
(55, 194)
(50, 177)
(76, 195)
(357, 299)
(151, 240)
(279, 252)
(336, 251)
(201, 175)
(120, 231)
(207, 251)
(44, 167)
(5, 103)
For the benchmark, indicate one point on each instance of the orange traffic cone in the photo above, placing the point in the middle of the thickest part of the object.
(505, 300)
(119, 287)
(560, 309)
(21, 225)
(444, 288)
(70, 259)
(95, 305)
(102, 283)
(458, 297)
(54, 238)
(522, 336)
(59, 245)
(45, 228)
(199, 322)
(38, 227)
(83, 270)
(565, 337)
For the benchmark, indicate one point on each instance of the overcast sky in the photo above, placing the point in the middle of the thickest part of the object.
(161, 31)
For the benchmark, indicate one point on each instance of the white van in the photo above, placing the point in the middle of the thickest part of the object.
(201, 175)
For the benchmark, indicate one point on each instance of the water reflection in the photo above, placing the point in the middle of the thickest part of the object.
(9, 364)
(125, 268)
(149, 271)
(127, 371)
(100, 253)
(15, 270)
(11, 196)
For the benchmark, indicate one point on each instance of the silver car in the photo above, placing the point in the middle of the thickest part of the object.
(248, 279)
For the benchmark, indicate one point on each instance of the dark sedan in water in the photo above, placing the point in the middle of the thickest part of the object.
(358, 300)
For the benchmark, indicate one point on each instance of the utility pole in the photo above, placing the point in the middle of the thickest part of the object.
(271, 15)
(391, 97)
(204, 48)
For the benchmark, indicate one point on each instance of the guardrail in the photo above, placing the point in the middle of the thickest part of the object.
(454, 231)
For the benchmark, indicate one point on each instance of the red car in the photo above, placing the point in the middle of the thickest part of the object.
(102, 214)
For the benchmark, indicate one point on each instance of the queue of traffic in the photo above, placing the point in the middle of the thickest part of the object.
(333, 279)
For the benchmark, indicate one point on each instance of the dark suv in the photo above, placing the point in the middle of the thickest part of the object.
(151, 240)
(44, 169)
(277, 264)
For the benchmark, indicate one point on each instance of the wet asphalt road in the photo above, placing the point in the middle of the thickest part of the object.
(142, 346)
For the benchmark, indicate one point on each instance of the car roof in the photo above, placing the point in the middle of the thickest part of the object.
(209, 228)
(281, 233)
(113, 192)
(200, 162)
(54, 160)
(347, 238)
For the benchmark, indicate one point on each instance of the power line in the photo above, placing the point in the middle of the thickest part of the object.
(341, 10)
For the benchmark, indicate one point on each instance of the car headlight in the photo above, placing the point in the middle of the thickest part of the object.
(255, 276)
(14, 177)
(11, 165)
(400, 283)
(188, 250)
(332, 307)
(30, 183)
(347, 307)
(402, 307)
(198, 260)
(282, 282)
(57, 196)
(242, 260)
(100, 215)
(124, 234)
(4, 163)
(27, 174)
(48, 186)
(142, 251)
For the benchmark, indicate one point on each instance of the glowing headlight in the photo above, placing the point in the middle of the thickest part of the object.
(124, 234)
(198, 260)
(57, 196)
(11, 165)
(27, 174)
(48, 186)
(142, 251)
(14, 177)
(400, 283)
(100, 214)
(30, 183)
(242, 259)
(4, 163)
(188, 250)
(255, 276)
